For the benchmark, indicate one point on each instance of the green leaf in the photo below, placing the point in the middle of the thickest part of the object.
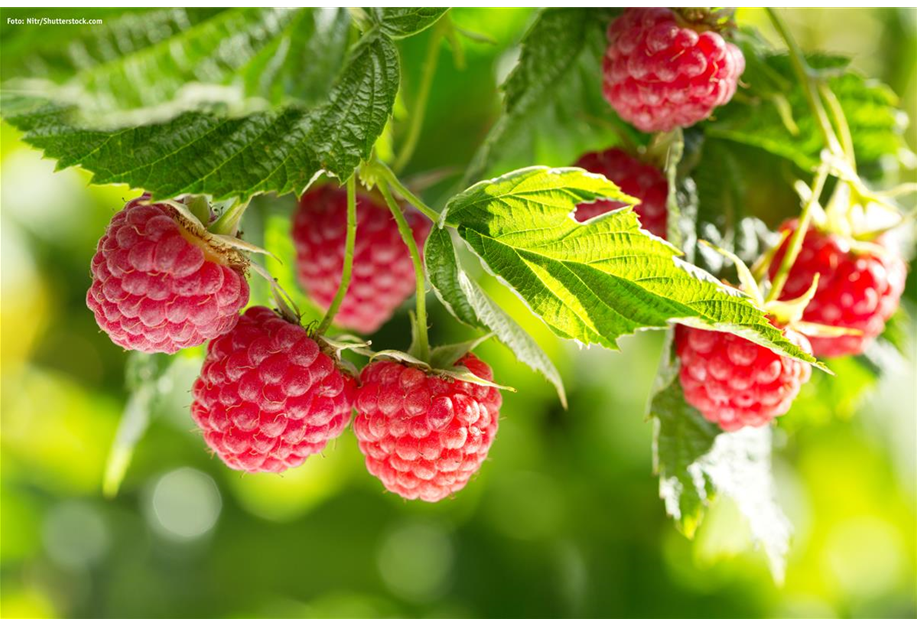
(471, 305)
(300, 65)
(601, 279)
(682, 436)
(773, 113)
(401, 22)
(211, 153)
(696, 461)
(553, 109)
(170, 60)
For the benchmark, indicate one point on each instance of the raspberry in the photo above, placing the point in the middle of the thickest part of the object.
(383, 274)
(659, 75)
(423, 435)
(159, 284)
(734, 382)
(636, 179)
(268, 397)
(856, 290)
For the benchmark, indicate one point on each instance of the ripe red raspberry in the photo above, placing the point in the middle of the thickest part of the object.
(268, 397)
(383, 274)
(160, 284)
(856, 289)
(424, 436)
(636, 179)
(734, 382)
(659, 74)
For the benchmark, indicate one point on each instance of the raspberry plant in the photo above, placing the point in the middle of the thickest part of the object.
(626, 139)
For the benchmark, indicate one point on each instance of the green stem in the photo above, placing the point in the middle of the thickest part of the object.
(805, 75)
(423, 94)
(798, 236)
(846, 138)
(349, 243)
(392, 179)
(228, 223)
(423, 343)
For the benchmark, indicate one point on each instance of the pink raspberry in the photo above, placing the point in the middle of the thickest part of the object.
(856, 290)
(636, 179)
(383, 274)
(734, 382)
(424, 436)
(268, 396)
(660, 74)
(160, 283)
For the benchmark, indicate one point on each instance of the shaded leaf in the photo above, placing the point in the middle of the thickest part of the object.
(210, 153)
(400, 22)
(553, 108)
(773, 113)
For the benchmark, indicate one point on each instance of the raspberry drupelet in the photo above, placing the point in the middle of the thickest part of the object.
(268, 396)
(856, 289)
(160, 284)
(424, 435)
(660, 74)
(734, 382)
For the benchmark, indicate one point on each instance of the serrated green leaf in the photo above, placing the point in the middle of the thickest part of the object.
(30, 52)
(210, 153)
(759, 116)
(696, 461)
(553, 108)
(471, 305)
(401, 22)
(601, 279)
(169, 60)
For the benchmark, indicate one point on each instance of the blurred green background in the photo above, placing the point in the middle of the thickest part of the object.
(563, 520)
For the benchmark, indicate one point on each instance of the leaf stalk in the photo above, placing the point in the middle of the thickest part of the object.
(346, 271)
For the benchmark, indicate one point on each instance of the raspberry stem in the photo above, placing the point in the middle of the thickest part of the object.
(392, 179)
(806, 77)
(423, 94)
(348, 257)
(422, 343)
(799, 235)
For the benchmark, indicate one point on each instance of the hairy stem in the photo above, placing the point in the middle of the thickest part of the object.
(798, 236)
(423, 343)
(806, 78)
(423, 94)
(348, 257)
(404, 192)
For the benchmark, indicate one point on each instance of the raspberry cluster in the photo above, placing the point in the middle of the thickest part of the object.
(268, 397)
(636, 179)
(383, 274)
(659, 74)
(159, 284)
(736, 383)
(856, 289)
(423, 435)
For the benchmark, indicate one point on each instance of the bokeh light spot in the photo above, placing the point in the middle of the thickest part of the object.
(75, 534)
(184, 504)
(415, 561)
